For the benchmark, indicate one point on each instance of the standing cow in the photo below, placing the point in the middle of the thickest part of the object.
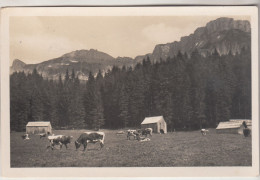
(90, 137)
(59, 140)
(204, 132)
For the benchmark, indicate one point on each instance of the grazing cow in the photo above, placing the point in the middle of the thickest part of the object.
(90, 137)
(59, 140)
(147, 131)
(133, 133)
(25, 136)
(42, 135)
(204, 131)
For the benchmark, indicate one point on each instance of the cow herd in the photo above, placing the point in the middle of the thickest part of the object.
(89, 137)
(137, 134)
(95, 137)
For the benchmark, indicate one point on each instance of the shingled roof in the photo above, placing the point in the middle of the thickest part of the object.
(233, 123)
(39, 123)
(150, 120)
(248, 121)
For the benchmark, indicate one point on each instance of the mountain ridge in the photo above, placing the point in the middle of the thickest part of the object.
(226, 35)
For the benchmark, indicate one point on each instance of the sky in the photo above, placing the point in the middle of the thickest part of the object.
(35, 39)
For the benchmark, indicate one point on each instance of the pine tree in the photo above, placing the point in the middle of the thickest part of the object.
(123, 107)
(18, 102)
(67, 76)
(93, 104)
(73, 75)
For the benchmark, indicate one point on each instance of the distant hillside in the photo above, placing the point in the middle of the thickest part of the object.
(82, 61)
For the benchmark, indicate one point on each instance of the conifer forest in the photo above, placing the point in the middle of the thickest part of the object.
(189, 91)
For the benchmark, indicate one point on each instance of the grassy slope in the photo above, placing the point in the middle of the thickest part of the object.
(172, 149)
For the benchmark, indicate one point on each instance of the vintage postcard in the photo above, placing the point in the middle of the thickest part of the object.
(129, 92)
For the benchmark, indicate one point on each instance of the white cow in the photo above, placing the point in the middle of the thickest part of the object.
(25, 136)
(204, 131)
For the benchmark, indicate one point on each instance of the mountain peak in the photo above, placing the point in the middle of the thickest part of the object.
(224, 34)
(17, 65)
(18, 62)
(87, 55)
(82, 61)
(225, 23)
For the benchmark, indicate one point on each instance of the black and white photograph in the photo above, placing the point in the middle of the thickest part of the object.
(160, 87)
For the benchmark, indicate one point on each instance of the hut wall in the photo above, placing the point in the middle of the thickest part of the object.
(38, 129)
(240, 130)
(228, 130)
(162, 125)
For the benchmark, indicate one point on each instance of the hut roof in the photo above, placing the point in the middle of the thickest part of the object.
(228, 125)
(248, 121)
(234, 123)
(150, 120)
(38, 123)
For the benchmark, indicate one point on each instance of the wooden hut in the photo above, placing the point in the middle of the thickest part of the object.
(233, 126)
(38, 127)
(157, 123)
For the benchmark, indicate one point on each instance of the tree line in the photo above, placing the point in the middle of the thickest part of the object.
(190, 92)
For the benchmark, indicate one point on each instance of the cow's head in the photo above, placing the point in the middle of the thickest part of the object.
(77, 144)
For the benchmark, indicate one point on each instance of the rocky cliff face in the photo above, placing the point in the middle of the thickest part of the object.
(224, 34)
(17, 65)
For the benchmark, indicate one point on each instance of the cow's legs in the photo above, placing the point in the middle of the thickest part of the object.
(85, 146)
(66, 146)
(60, 145)
(51, 144)
(101, 144)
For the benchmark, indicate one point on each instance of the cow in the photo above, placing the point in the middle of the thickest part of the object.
(147, 131)
(90, 137)
(59, 140)
(204, 131)
(42, 135)
(25, 136)
(133, 133)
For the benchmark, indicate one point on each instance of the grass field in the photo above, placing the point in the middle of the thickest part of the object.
(164, 150)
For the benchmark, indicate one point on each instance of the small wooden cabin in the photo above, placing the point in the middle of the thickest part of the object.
(233, 126)
(157, 123)
(38, 127)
